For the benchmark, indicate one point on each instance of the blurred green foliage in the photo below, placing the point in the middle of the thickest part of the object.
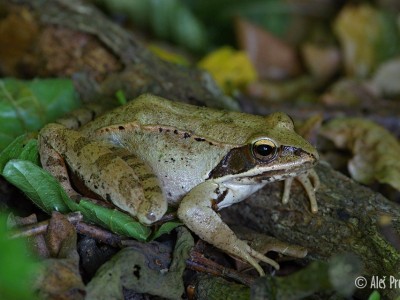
(18, 267)
(28, 105)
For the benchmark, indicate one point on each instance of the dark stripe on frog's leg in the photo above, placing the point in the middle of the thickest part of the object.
(155, 205)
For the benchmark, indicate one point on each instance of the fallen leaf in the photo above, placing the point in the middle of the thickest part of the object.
(60, 277)
(386, 78)
(142, 272)
(61, 237)
(231, 69)
(375, 150)
(368, 37)
(273, 58)
(322, 61)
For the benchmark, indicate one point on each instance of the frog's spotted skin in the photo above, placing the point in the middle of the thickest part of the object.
(153, 151)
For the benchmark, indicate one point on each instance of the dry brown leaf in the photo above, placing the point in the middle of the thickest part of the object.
(142, 269)
(59, 277)
(61, 237)
(375, 150)
(322, 61)
(273, 58)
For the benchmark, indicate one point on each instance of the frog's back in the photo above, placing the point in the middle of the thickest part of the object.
(217, 125)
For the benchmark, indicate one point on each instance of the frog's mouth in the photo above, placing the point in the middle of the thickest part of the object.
(281, 172)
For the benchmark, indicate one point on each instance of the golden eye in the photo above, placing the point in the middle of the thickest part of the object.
(264, 149)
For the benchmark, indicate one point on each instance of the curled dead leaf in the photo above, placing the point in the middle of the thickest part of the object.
(375, 150)
(143, 269)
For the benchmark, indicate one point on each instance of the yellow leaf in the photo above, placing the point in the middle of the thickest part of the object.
(368, 37)
(230, 68)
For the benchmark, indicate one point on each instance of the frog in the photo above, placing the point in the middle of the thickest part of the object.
(154, 153)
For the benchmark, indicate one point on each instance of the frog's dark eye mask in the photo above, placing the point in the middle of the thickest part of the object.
(262, 151)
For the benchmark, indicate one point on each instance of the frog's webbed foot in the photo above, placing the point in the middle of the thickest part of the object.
(197, 213)
(310, 182)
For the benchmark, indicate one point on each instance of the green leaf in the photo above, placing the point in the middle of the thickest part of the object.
(30, 152)
(120, 95)
(13, 150)
(46, 192)
(18, 268)
(374, 296)
(165, 228)
(116, 221)
(28, 105)
(42, 188)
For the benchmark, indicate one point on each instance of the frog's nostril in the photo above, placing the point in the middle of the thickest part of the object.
(297, 152)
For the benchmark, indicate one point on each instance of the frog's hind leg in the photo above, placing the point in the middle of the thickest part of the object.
(196, 211)
(54, 163)
(103, 170)
(155, 205)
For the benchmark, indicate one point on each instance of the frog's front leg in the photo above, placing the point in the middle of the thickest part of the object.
(196, 211)
(310, 182)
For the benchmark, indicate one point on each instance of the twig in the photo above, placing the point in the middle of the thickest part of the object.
(99, 233)
(41, 227)
(199, 263)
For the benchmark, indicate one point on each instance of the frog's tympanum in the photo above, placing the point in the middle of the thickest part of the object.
(153, 152)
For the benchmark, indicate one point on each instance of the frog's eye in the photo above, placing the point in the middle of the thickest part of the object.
(264, 149)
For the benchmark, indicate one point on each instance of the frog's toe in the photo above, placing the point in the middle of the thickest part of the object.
(246, 253)
(310, 182)
(310, 188)
(263, 258)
